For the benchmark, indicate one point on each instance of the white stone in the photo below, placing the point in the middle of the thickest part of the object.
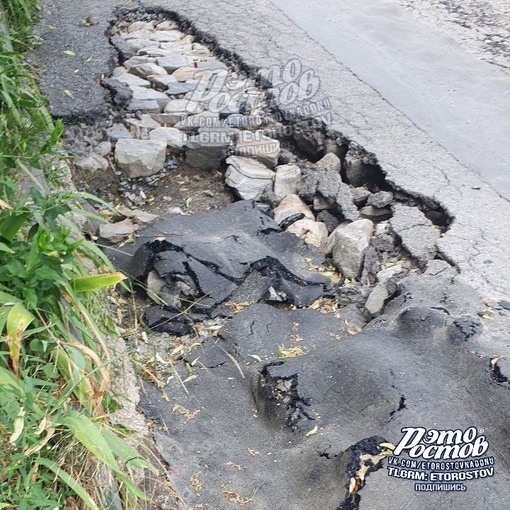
(290, 206)
(138, 60)
(140, 25)
(248, 177)
(182, 46)
(139, 216)
(312, 232)
(145, 121)
(329, 162)
(139, 158)
(168, 119)
(182, 106)
(191, 73)
(92, 163)
(131, 80)
(116, 232)
(348, 244)
(286, 180)
(256, 145)
(174, 138)
(167, 25)
(138, 45)
(380, 293)
(159, 36)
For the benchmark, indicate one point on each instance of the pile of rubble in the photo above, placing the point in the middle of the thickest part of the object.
(177, 102)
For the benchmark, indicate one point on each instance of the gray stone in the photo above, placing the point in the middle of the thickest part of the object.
(155, 51)
(381, 292)
(140, 46)
(417, 232)
(91, 163)
(248, 177)
(161, 82)
(174, 138)
(144, 122)
(258, 146)
(290, 206)
(359, 172)
(118, 132)
(380, 199)
(103, 148)
(199, 120)
(321, 204)
(159, 36)
(182, 107)
(144, 70)
(167, 119)
(360, 196)
(144, 94)
(173, 62)
(312, 232)
(177, 46)
(215, 66)
(329, 162)
(345, 203)
(175, 89)
(286, 180)
(137, 105)
(139, 216)
(135, 61)
(139, 158)
(327, 183)
(115, 233)
(348, 244)
(204, 151)
(131, 80)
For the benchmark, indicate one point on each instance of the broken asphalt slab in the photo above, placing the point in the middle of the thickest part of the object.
(237, 254)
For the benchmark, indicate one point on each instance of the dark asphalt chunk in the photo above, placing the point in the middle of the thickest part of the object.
(236, 254)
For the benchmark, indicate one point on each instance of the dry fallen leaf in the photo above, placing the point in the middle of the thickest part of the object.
(312, 432)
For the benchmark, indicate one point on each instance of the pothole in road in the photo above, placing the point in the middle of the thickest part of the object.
(226, 198)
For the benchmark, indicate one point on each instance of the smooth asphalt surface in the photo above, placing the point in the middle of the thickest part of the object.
(460, 100)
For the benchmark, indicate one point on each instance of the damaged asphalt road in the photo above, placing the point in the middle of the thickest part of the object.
(287, 408)
(342, 390)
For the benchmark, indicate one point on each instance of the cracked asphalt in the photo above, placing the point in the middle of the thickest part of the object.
(411, 157)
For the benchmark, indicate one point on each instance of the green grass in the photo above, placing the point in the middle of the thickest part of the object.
(56, 443)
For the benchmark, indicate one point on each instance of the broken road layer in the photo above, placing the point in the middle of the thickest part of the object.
(236, 255)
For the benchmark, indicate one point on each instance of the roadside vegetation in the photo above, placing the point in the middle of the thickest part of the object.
(58, 449)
